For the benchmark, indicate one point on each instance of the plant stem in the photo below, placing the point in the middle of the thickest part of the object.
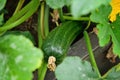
(46, 20)
(61, 15)
(78, 19)
(89, 47)
(42, 71)
(20, 3)
(42, 19)
(40, 39)
(20, 13)
(88, 25)
(21, 16)
(43, 22)
(43, 30)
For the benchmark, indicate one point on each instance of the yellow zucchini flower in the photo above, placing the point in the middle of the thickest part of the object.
(115, 9)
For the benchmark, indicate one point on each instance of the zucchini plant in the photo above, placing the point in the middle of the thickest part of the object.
(20, 55)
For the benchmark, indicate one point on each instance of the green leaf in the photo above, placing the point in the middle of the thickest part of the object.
(103, 34)
(1, 19)
(115, 34)
(2, 4)
(97, 15)
(27, 34)
(107, 30)
(82, 7)
(104, 26)
(73, 68)
(55, 4)
(113, 73)
(18, 58)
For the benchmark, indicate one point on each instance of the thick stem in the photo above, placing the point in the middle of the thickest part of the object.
(78, 19)
(42, 19)
(21, 16)
(41, 24)
(20, 3)
(91, 55)
(46, 20)
(20, 13)
(42, 71)
(61, 15)
(43, 30)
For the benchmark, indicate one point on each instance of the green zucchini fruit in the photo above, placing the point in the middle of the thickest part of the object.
(59, 40)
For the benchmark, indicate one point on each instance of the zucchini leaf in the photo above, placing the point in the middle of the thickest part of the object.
(1, 19)
(18, 58)
(27, 34)
(115, 34)
(82, 7)
(113, 73)
(107, 30)
(103, 34)
(104, 26)
(55, 4)
(2, 4)
(97, 15)
(73, 68)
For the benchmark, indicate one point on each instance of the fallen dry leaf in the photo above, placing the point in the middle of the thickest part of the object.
(110, 55)
(95, 30)
(55, 15)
